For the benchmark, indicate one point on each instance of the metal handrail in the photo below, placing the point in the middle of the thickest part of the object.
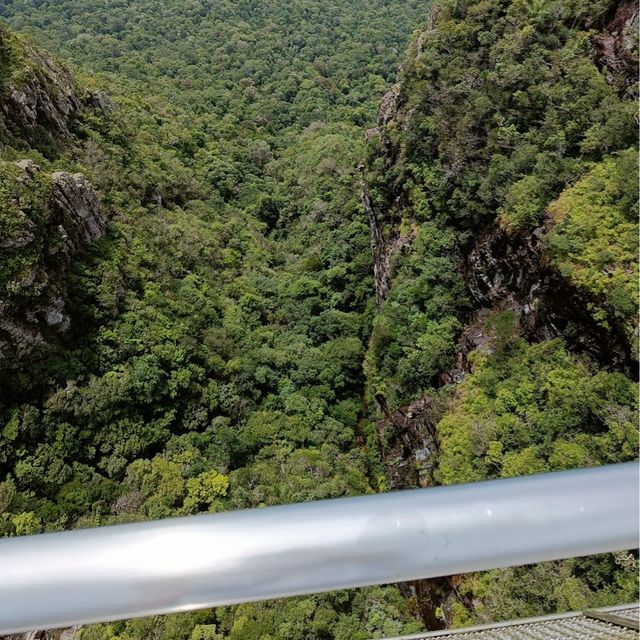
(179, 564)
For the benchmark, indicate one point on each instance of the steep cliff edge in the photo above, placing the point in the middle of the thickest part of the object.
(484, 131)
(46, 218)
(501, 189)
(40, 101)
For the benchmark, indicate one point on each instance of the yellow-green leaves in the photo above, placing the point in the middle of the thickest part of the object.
(204, 490)
(594, 238)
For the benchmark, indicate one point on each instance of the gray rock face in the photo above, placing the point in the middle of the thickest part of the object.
(75, 219)
(388, 106)
(616, 46)
(44, 100)
(42, 235)
(511, 272)
(76, 207)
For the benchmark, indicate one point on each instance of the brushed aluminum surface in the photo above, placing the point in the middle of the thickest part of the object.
(179, 564)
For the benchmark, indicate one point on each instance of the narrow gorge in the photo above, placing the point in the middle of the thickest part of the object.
(256, 253)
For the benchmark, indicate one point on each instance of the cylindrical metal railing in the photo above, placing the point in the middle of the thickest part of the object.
(109, 573)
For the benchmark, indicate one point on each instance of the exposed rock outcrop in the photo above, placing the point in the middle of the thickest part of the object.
(45, 97)
(616, 46)
(388, 107)
(407, 454)
(381, 273)
(33, 302)
(511, 271)
(76, 210)
(387, 112)
(40, 102)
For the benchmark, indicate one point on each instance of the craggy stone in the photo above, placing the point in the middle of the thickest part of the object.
(76, 216)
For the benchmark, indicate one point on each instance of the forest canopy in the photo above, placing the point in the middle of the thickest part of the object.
(230, 343)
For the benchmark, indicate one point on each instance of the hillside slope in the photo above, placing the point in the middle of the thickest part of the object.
(236, 298)
(501, 188)
(212, 354)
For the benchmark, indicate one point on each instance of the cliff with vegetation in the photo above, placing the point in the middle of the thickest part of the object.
(46, 219)
(224, 284)
(502, 184)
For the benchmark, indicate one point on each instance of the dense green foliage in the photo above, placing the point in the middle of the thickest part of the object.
(225, 349)
(348, 615)
(594, 238)
(220, 327)
(264, 66)
(500, 109)
(571, 585)
(223, 315)
(532, 408)
(504, 106)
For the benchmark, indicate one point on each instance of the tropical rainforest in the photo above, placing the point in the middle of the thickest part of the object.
(256, 252)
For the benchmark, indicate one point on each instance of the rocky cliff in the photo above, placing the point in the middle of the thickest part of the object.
(40, 239)
(47, 217)
(40, 101)
(455, 153)
(495, 192)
